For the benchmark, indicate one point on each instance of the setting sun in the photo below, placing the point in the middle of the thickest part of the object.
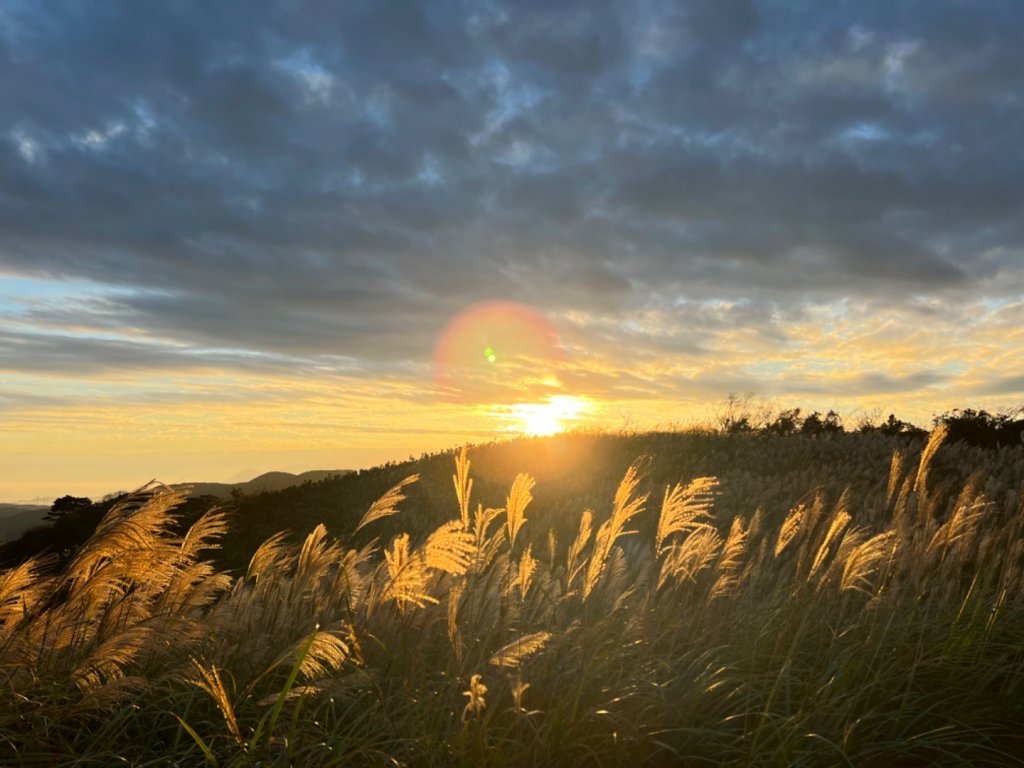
(548, 418)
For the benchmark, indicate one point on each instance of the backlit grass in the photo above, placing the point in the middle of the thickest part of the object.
(652, 630)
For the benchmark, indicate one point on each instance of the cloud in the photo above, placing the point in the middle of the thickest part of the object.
(311, 187)
(78, 355)
(1006, 385)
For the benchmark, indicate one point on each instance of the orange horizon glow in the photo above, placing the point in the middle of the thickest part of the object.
(110, 430)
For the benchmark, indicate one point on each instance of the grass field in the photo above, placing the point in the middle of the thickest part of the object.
(847, 600)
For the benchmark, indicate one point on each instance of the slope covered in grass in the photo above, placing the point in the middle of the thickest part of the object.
(578, 471)
(680, 622)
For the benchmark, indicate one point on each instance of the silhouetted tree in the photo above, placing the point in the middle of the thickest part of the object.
(833, 422)
(816, 424)
(893, 426)
(734, 414)
(786, 423)
(982, 428)
(67, 505)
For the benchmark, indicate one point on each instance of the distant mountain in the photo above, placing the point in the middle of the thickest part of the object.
(15, 519)
(11, 510)
(265, 483)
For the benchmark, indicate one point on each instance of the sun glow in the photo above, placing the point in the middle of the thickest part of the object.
(548, 418)
(493, 350)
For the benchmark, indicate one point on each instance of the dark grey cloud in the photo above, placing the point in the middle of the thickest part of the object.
(82, 356)
(868, 384)
(308, 179)
(1003, 385)
(876, 383)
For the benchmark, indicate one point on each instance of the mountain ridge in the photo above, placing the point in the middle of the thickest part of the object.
(274, 480)
(16, 519)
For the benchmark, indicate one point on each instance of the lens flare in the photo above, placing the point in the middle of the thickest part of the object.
(496, 351)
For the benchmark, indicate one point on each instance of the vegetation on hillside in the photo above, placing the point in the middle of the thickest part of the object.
(682, 621)
(759, 451)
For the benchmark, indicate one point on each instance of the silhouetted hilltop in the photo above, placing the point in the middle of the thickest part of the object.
(267, 482)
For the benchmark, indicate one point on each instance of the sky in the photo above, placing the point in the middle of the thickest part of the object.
(244, 236)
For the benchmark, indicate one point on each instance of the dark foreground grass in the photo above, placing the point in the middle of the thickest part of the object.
(651, 633)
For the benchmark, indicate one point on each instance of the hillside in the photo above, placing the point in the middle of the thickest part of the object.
(265, 483)
(15, 519)
(830, 599)
(575, 472)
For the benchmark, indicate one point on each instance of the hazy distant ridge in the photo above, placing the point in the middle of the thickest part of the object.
(268, 481)
(15, 519)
